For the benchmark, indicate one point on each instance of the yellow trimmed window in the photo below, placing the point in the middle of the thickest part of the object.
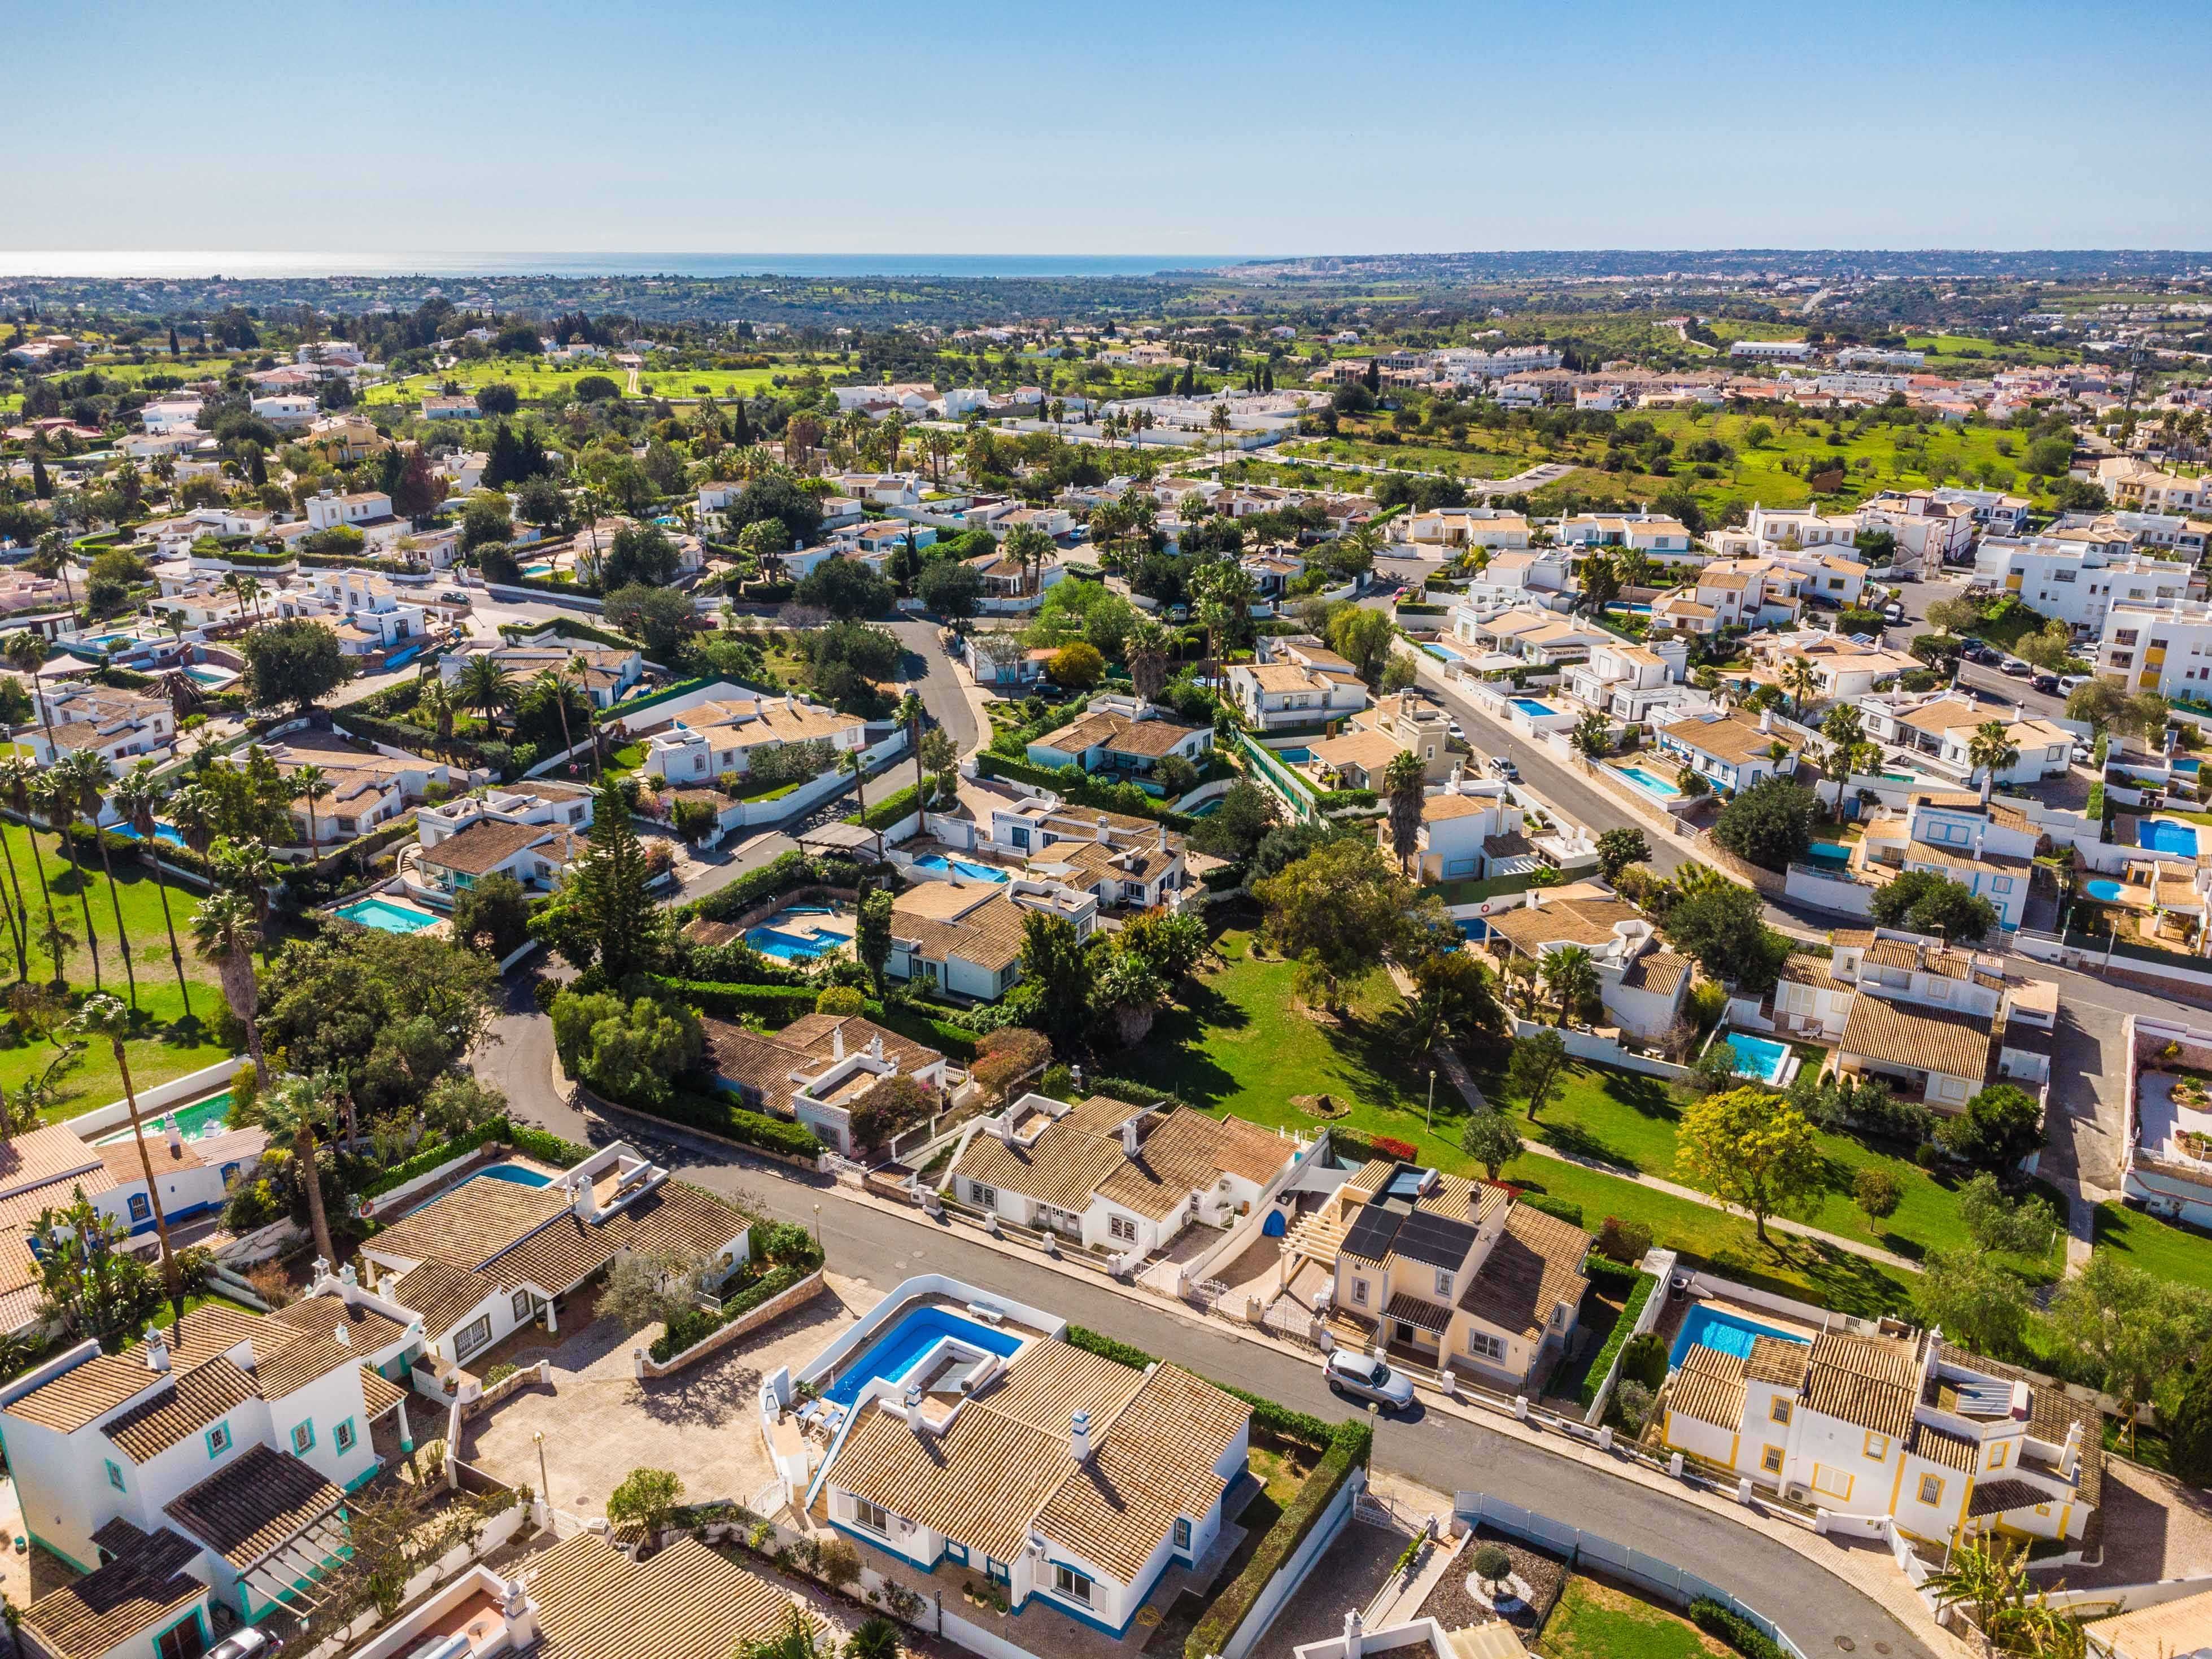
(1931, 1490)
(1771, 1460)
(1877, 1446)
(1778, 1410)
(1998, 1453)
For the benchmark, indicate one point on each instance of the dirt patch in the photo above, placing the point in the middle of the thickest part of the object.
(1546, 1575)
(1326, 1107)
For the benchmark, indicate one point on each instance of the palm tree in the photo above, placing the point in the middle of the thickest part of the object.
(1218, 421)
(103, 1016)
(245, 867)
(910, 714)
(485, 686)
(250, 591)
(556, 683)
(138, 798)
(1800, 680)
(1570, 973)
(92, 774)
(849, 762)
(1405, 782)
(308, 782)
(224, 933)
(17, 776)
(57, 797)
(437, 703)
(193, 811)
(1990, 751)
(290, 1114)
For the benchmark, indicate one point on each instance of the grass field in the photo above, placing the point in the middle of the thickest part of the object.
(1241, 1046)
(535, 380)
(1596, 1621)
(2157, 1247)
(168, 1046)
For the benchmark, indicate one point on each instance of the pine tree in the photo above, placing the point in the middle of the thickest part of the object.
(173, 350)
(741, 429)
(42, 488)
(607, 910)
(503, 465)
(260, 473)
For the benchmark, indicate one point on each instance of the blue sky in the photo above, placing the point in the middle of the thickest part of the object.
(1142, 128)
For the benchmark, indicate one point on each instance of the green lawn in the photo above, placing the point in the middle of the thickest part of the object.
(532, 380)
(1596, 1621)
(1240, 1046)
(168, 1046)
(2158, 1247)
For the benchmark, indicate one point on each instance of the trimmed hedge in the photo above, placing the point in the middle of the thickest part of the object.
(1115, 797)
(780, 1004)
(689, 1329)
(1350, 1443)
(888, 811)
(567, 627)
(1601, 1367)
(718, 1115)
(1718, 1619)
(416, 739)
(1559, 1208)
(546, 1148)
(1599, 1270)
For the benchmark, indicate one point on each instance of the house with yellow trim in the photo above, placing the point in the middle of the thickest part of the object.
(1946, 1444)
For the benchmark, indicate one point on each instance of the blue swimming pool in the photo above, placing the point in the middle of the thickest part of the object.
(1759, 1057)
(385, 916)
(1533, 709)
(1828, 852)
(1292, 755)
(2163, 835)
(960, 866)
(162, 832)
(788, 947)
(515, 1173)
(202, 1117)
(1645, 779)
(2104, 888)
(1717, 1327)
(897, 1351)
(1444, 654)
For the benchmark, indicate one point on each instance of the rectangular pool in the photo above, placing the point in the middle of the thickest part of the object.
(1759, 1057)
(1829, 852)
(385, 916)
(938, 862)
(1649, 782)
(1721, 1328)
(2165, 835)
(903, 1346)
(1533, 709)
(202, 1117)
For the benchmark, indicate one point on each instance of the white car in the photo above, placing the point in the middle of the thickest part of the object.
(1369, 1377)
(2067, 682)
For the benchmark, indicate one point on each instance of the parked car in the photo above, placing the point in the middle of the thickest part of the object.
(1369, 1377)
(2014, 666)
(2046, 681)
(2081, 754)
(2069, 684)
(1454, 728)
(1502, 767)
(1893, 613)
(454, 596)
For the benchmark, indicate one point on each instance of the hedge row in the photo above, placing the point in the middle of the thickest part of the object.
(1558, 1208)
(780, 1004)
(1112, 798)
(718, 1115)
(546, 1148)
(1614, 1275)
(416, 739)
(565, 628)
(785, 873)
(1269, 1415)
(1601, 1367)
(882, 814)
(689, 1329)
(1717, 1618)
(1350, 1443)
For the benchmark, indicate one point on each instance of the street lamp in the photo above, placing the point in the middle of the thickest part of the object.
(545, 1490)
(817, 1226)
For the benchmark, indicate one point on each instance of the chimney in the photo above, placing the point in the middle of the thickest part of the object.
(913, 1407)
(876, 1046)
(1164, 838)
(1003, 1125)
(1079, 1437)
(176, 1136)
(1767, 720)
(344, 1337)
(157, 1349)
(837, 1041)
(2071, 1453)
(1129, 1138)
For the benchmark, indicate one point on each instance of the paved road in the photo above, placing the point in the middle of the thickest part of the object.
(940, 689)
(1441, 1451)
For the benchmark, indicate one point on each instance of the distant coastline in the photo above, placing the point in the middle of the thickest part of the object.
(201, 264)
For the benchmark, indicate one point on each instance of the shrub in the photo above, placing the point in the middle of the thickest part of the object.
(1559, 1208)
(689, 1329)
(1644, 1359)
(1349, 1445)
(1718, 1619)
(644, 1499)
(1601, 1363)
(1491, 1563)
(840, 1000)
(1392, 1148)
(1877, 1191)
(1625, 1241)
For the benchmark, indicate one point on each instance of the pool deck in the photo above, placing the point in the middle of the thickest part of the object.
(438, 926)
(951, 1305)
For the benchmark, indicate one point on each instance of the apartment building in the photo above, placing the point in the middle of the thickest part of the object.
(2078, 574)
(2164, 647)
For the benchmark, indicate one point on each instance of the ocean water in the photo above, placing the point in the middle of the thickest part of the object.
(198, 265)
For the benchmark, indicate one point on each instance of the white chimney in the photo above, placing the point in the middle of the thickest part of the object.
(176, 1136)
(1003, 1126)
(157, 1349)
(876, 1046)
(1129, 1138)
(1767, 720)
(837, 1041)
(344, 1337)
(1079, 1437)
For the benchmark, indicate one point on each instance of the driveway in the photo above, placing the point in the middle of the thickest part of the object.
(601, 1421)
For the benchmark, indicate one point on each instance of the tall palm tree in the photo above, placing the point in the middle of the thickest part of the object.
(435, 703)
(557, 684)
(17, 777)
(485, 686)
(245, 867)
(138, 798)
(308, 782)
(1800, 680)
(55, 792)
(1570, 973)
(250, 590)
(224, 933)
(103, 1016)
(93, 776)
(291, 1114)
(910, 714)
(1405, 782)
(1990, 751)
(193, 811)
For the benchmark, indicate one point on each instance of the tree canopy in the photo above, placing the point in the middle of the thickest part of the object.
(296, 662)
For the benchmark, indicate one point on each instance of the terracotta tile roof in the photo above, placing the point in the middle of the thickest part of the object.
(254, 1505)
(298, 1344)
(91, 1617)
(982, 1481)
(1535, 1265)
(379, 1395)
(1953, 1451)
(1776, 1359)
(84, 1394)
(442, 1294)
(1866, 1381)
(1734, 739)
(1659, 972)
(1924, 1039)
(1451, 804)
(989, 935)
(1997, 1497)
(484, 845)
(675, 1219)
(1063, 1168)
(2051, 1414)
(1119, 734)
(1708, 1387)
(1421, 1315)
(470, 1224)
(1556, 921)
(764, 1061)
(686, 1603)
(1053, 1380)
(1185, 1154)
(44, 1155)
(197, 1399)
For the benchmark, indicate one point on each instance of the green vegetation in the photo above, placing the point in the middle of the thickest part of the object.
(1596, 1621)
(2162, 1249)
(1601, 1363)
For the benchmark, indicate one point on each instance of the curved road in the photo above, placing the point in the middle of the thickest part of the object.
(1441, 1451)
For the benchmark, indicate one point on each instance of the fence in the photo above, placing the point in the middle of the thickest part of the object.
(1630, 1567)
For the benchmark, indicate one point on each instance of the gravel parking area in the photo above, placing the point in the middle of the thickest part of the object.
(2154, 1527)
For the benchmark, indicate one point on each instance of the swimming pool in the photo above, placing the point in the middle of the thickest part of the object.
(974, 871)
(202, 1117)
(1533, 709)
(1472, 927)
(1444, 654)
(1718, 1328)
(1293, 756)
(1759, 1057)
(789, 947)
(209, 676)
(162, 832)
(2165, 835)
(1828, 852)
(385, 916)
(902, 1347)
(2103, 888)
(515, 1173)
(1651, 780)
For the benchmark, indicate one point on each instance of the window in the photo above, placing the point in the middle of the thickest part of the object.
(1877, 1446)
(1075, 1586)
(1182, 1533)
(874, 1516)
(303, 1440)
(1444, 1284)
(114, 1475)
(522, 1305)
(1359, 1292)
(218, 1440)
(1998, 1454)
(1836, 1483)
(343, 1437)
(2001, 885)
(1778, 1410)
(1770, 1460)
(1122, 1227)
(1483, 1345)
(183, 1641)
(140, 1209)
(982, 1197)
(477, 1335)
(1931, 1490)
